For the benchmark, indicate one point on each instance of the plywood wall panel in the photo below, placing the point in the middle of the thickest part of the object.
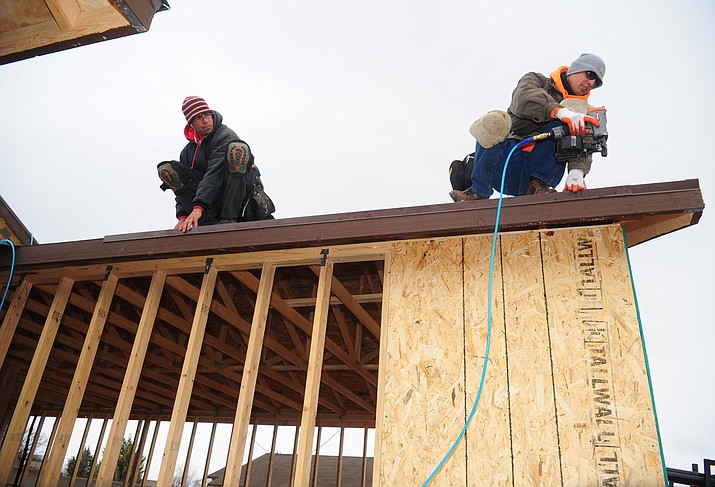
(424, 376)
(533, 433)
(566, 400)
(488, 441)
(605, 415)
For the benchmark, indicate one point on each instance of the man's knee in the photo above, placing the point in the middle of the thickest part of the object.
(238, 157)
(169, 175)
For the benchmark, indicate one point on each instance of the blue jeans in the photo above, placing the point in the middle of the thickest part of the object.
(540, 163)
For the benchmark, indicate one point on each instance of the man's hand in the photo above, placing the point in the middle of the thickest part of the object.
(576, 121)
(574, 181)
(190, 221)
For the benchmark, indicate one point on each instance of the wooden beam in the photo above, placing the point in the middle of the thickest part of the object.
(363, 470)
(316, 460)
(65, 12)
(269, 473)
(188, 373)
(362, 229)
(185, 470)
(312, 387)
(346, 392)
(238, 322)
(250, 374)
(339, 475)
(295, 317)
(149, 458)
(16, 429)
(205, 476)
(55, 459)
(139, 448)
(12, 317)
(80, 450)
(310, 302)
(90, 22)
(351, 303)
(381, 378)
(33, 446)
(133, 453)
(247, 476)
(131, 379)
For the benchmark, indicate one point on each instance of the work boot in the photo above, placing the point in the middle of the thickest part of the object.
(169, 177)
(537, 186)
(466, 195)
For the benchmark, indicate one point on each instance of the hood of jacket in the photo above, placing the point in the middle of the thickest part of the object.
(559, 84)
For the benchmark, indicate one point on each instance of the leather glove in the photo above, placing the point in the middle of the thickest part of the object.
(574, 181)
(576, 121)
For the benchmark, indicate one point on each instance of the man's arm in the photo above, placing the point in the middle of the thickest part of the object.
(531, 100)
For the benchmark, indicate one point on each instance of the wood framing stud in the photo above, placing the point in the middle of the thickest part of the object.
(16, 430)
(55, 459)
(188, 373)
(250, 374)
(312, 387)
(131, 379)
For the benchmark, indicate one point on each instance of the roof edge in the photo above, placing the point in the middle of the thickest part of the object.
(653, 209)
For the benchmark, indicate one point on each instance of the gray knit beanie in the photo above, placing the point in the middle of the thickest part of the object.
(589, 62)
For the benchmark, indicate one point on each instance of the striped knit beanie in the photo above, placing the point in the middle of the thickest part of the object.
(194, 105)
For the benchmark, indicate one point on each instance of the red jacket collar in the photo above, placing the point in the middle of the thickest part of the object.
(191, 134)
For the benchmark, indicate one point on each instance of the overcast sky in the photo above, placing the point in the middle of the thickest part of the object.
(362, 105)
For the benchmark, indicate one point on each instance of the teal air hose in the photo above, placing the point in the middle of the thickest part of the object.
(645, 357)
(12, 268)
(489, 310)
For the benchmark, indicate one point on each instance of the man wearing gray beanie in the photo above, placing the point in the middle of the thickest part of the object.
(539, 103)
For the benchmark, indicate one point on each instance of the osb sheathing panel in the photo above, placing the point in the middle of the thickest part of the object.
(566, 398)
(424, 381)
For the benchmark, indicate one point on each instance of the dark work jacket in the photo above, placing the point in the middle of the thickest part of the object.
(208, 158)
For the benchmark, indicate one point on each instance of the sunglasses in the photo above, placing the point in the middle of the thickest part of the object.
(593, 77)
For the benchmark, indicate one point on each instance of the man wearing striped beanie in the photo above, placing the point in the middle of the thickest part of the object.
(215, 179)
